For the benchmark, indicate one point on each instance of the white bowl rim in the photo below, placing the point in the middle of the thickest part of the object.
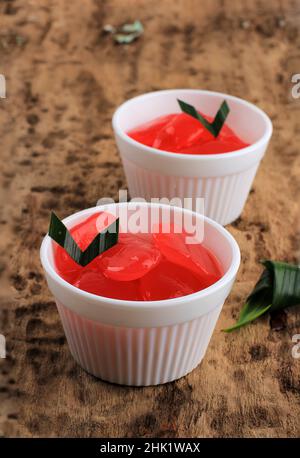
(225, 279)
(211, 157)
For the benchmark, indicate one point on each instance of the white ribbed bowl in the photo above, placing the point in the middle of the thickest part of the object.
(223, 180)
(142, 342)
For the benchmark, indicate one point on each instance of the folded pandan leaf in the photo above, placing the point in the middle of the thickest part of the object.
(213, 127)
(102, 242)
(277, 288)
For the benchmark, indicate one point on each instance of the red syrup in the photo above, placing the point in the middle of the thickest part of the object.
(181, 133)
(140, 266)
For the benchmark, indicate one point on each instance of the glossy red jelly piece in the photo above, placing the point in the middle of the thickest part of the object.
(146, 133)
(181, 133)
(168, 281)
(194, 257)
(96, 283)
(132, 257)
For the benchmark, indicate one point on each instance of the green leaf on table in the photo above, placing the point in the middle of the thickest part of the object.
(135, 27)
(102, 242)
(213, 127)
(123, 39)
(277, 288)
(129, 32)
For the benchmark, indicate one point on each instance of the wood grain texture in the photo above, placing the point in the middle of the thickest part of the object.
(64, 80)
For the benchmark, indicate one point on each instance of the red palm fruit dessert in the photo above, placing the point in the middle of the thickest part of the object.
(149, 267)
(181, 133)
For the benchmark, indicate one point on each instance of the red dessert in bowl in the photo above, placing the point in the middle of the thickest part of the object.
(153, 266)
(142, 312)
(168, 154)
(183, 134)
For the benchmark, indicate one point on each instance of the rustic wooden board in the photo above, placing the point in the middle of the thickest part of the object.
(65, 78)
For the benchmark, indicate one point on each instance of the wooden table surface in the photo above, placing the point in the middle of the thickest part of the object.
(64, 80)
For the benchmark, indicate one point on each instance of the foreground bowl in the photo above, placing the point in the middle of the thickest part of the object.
(142, 342)
(223, 180)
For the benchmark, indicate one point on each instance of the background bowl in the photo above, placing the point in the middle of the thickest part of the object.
(223, 180)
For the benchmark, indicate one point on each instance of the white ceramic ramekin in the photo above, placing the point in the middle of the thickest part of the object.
(142, 343)
(223, 180)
